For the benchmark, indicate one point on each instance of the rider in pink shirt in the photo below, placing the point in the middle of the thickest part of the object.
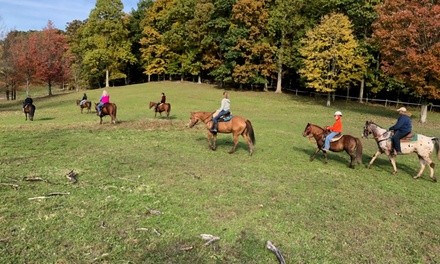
(105, 98)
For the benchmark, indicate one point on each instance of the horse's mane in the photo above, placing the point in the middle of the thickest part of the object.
(317, 126)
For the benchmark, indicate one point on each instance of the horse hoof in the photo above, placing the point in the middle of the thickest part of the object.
(434, 179)
(394, 172)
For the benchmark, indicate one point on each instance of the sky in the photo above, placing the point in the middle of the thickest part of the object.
(24, 15)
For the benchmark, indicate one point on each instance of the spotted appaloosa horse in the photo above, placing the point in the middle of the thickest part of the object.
(422, 145)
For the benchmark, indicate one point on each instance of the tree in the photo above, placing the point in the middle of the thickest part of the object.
(330, 55)
(49, 48)
(105, 42)
(154, 50)
(408, 34)
(255, 52)
(285, 26)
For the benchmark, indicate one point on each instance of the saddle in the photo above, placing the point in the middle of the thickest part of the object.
(226, 117)
(335, 138)
(408, 138)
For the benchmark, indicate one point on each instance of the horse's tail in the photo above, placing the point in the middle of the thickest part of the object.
(116, 108)
(250, 131)
(437, 146)
(358, 150)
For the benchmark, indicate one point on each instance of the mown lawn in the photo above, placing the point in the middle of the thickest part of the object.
(148, 187)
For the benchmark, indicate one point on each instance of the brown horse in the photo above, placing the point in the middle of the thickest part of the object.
(165, 107)
(350, 144)
(29, 109)
(107, 109)
(237, 126)
(86, 104)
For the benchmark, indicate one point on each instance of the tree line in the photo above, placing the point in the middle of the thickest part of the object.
(325, 45)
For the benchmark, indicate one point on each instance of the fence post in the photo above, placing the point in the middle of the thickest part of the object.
(386, 102)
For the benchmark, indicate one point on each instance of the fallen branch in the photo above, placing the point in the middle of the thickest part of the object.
(209, 238)
(57, 194)
(33, 179)
(276, 251)
(50, 195)
(15, 186)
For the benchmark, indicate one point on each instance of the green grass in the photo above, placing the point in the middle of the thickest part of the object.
(314, 212)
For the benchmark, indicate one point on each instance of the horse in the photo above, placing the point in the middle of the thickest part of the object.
(87, 104)
(29, 109)
(418, 143)
(351, 145)
(107, 109)
(237, 126)
(165, 107)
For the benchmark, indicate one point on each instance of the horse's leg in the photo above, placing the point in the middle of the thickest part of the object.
(393, 163)
(373, 159)
(352, 159)
(101, 120)
(235, 139)
(249, 141)
(314, 154)
(209, 137)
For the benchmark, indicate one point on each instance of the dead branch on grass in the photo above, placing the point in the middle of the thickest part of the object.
(276, 251)
(209, 238)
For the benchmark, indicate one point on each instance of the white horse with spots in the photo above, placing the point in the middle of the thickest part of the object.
(420, 144)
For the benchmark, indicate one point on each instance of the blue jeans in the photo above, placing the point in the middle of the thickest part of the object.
(217, 117)
(328, 138)
(99, 106)
(396, 139)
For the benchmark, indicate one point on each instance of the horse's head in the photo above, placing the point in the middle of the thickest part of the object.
(308, 130)
(152, 104)
(193, 120)
(368, 129)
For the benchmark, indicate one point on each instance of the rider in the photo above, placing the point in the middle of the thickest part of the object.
(27, 101)
(163, 99)
(402, 128)
(105, 98)
(225, 108)
(83, 100)
(335, 129)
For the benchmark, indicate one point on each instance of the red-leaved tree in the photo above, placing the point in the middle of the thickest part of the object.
(408, 34)
(52, 64)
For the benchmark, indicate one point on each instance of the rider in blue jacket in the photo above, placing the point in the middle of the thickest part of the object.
(402, 128)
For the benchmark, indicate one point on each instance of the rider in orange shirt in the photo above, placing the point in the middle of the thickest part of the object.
(335, 129)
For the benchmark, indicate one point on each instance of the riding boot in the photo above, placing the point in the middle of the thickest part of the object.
(214, 127)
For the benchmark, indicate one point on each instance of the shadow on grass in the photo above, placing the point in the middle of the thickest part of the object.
(225, 142)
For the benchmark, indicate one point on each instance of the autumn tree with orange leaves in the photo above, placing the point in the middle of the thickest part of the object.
(408, 34)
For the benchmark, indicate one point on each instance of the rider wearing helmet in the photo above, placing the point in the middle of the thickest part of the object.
(335, 129)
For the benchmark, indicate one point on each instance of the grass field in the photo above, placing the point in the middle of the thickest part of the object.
(148, 187)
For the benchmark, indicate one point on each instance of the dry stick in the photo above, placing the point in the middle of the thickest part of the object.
(276, 251)
(209, 238)
(50, 195)
(33, 179)
(15, 186)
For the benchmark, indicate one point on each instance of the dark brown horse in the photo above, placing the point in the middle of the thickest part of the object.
(86, 104)
(107, 109)
(165, 107)
(350, 144)
(29, 109)
(237, 126)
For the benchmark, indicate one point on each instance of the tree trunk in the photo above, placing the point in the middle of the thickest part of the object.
(279, 78)
(199, 81)
(50, 87)
(328, 98)
(7, 94)
(424, 113)
(149, 77)
(107, 78)
(361, 92)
